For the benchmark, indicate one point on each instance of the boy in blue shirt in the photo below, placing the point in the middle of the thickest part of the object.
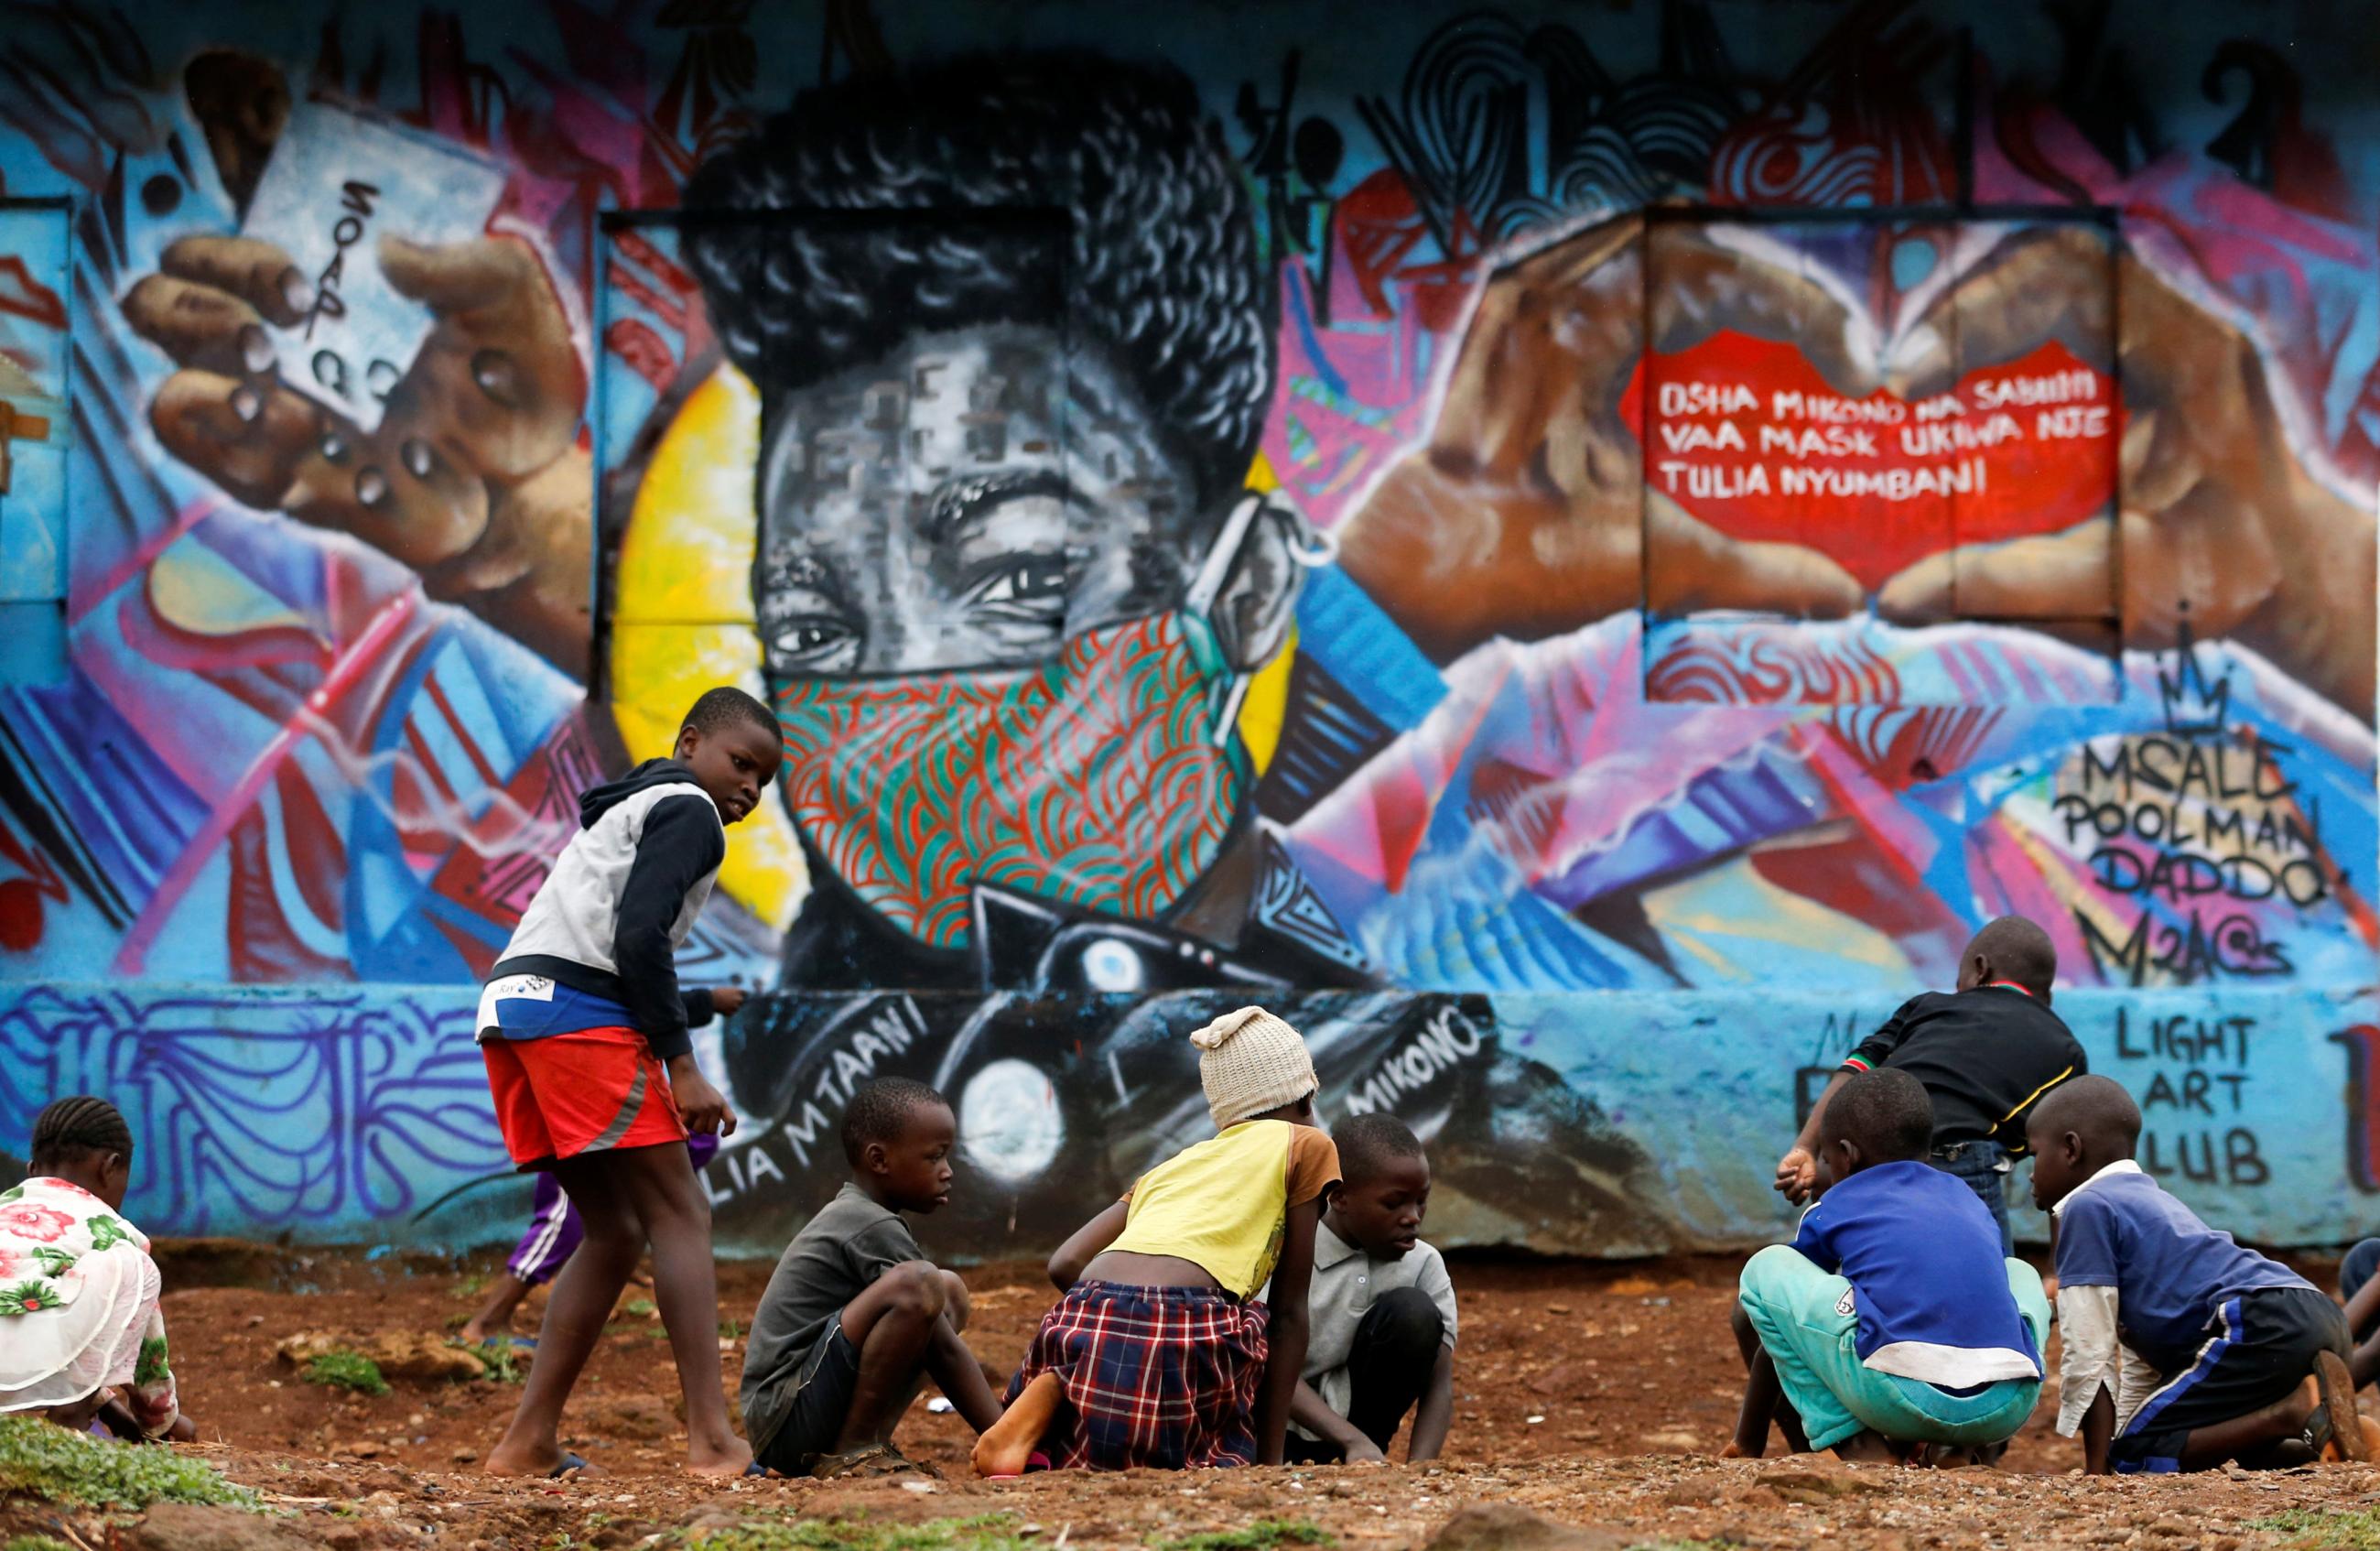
(2183, 1349)
(1893, 1323)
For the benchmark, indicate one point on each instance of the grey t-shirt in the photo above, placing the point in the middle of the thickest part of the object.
(833, 1259)
(1346, 1283)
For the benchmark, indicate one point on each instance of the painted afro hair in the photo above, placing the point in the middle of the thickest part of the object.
(1160, 265)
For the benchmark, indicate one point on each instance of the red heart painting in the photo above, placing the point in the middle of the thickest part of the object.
(1747, 434)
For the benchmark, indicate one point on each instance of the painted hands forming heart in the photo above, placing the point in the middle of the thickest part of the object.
(1528, 514)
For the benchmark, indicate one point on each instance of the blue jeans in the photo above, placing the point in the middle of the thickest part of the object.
(1984, 1167)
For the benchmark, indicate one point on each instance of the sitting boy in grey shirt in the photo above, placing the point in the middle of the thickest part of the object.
(1380, 1309)
(854, 1317)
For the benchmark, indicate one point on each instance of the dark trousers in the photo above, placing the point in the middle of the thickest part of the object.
(2262, 1345)
(1388, 1367)
(1984, 1166)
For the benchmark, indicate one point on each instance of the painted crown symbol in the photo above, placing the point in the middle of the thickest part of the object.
(2192, 706)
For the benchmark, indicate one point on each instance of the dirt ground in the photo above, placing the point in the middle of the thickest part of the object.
(1594, 1394)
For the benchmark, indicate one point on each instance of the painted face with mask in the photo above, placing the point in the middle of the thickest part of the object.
(1006, 644)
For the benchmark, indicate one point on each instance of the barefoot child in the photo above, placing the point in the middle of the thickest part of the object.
(1381, 1309)
(1892, 1320)
(82, 1338)
(585, 1036)
(856, 1317)
(2183, 1349)
(1157, 1355)
(1985, 1052)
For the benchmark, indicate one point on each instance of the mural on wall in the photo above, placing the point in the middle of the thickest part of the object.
(1563, 575)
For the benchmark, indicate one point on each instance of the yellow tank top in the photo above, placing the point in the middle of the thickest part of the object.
(1224, 1204)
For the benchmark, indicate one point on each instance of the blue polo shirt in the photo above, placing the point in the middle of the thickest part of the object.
(2121, 1229)
(1922, 1257)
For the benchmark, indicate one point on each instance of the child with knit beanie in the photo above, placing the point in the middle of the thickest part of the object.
(1159, 1353)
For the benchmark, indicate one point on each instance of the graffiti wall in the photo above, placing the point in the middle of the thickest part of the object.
(1576, 553)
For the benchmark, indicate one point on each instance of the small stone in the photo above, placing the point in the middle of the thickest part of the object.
(466, 1456)
(189, 1527)
(1507, 1527)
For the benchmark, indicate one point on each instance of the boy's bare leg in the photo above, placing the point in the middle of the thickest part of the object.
(583, 1295)
(2365, 1362)
(1764, 1393)
(495, 1316)
(890, 1325)
(669, 1199)
(1762, 1396)
(1008, 1446)
(2208, 1446)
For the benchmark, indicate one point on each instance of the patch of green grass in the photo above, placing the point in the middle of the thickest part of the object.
(502, 1357)
(1263, 1535)
(989, 1532)
(729, 1330)
(40, 1459)
(347, 1370)
(642, 1308)
(36, 1543)
(2316, 1529)
(471, 1287)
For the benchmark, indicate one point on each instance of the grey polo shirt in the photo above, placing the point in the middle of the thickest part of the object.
(1346, 1282)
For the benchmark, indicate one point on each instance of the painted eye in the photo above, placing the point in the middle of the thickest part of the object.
(811, 641)
(1032, 581)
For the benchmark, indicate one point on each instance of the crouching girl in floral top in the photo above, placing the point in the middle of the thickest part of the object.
(81, 1337)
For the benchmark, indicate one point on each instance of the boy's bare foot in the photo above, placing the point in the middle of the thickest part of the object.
(731, 1457)
(1008, 1444)
(1866, 1447)
(561, 1464)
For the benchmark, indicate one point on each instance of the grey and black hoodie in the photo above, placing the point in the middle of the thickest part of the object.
(611, 916)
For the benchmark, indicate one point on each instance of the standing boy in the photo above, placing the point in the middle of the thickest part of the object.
(2183, 1349)
(1381, 1326)
(1985, 1054)
(1892, 1321)
(585, 1035)
(856, 1317)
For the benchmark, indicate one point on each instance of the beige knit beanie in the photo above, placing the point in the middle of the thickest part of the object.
(1250, 1061)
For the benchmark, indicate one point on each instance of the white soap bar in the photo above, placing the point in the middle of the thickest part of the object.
(337, 182)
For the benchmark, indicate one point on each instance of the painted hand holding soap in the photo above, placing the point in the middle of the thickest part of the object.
(366, 360)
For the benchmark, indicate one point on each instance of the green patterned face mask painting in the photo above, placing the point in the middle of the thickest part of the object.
(1096, 779)
(1108, 779)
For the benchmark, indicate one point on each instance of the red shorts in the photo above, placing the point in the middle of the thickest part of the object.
(595, 1090)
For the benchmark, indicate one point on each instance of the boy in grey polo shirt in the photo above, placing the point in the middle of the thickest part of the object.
(1380, 1309)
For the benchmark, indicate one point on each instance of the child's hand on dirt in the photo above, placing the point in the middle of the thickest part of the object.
(1797, 1174)
(1362, 1450)
(700, 1106)
(726, 1000)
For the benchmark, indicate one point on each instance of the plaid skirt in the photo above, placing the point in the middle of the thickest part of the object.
(1158, 1376)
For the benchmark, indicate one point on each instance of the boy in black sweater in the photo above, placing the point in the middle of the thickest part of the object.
(1985, 1052)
